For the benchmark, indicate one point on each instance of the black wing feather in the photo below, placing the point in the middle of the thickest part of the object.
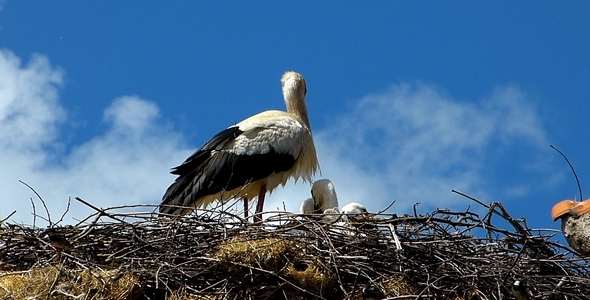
(215, 143)
(221, 171)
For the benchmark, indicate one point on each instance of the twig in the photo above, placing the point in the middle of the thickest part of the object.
(102, 212)
(65, 212)
(398, 245)
(387, 207)
(573, 170)
(41, 199)
(8, 217)
(34, 211)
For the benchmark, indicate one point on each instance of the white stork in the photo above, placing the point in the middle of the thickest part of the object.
(250, 158)
(323, 196)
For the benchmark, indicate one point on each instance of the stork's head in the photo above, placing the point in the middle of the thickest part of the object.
(294, 85)
(324, 195)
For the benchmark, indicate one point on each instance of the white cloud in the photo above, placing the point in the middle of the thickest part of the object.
(131, 115)
(128, 164)
(29, 107)
(29, 117)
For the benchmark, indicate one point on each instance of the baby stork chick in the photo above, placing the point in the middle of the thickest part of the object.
(323, 196)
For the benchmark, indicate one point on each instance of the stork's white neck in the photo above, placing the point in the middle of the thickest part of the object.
(294, 90)
(297, 107)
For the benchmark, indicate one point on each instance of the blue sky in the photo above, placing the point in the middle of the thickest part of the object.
(407, 100)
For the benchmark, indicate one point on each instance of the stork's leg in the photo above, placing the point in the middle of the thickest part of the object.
(245, 198)
(260, 204)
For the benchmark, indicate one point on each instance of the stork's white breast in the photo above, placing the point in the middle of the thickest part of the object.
(277, 129)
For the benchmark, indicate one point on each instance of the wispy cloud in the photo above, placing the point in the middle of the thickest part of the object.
(412, 143)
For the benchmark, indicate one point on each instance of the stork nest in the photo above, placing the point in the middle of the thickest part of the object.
(217, 255)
